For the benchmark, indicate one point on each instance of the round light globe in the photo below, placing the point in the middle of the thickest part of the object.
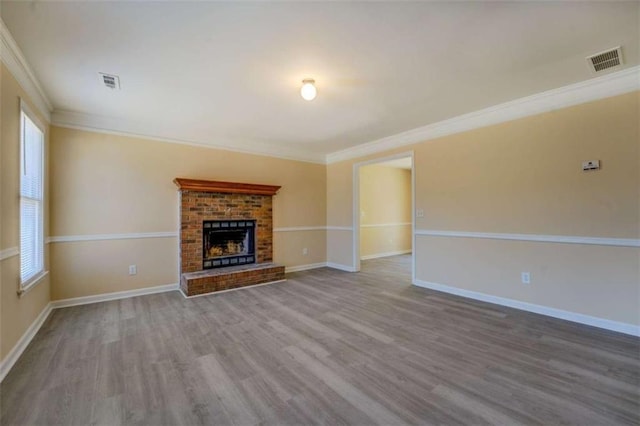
(308, 90)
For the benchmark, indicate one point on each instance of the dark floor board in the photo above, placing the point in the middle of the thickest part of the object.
(324, 347)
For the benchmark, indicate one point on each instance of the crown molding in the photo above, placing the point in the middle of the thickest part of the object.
(12, 57)
(106, 125)
(613, 84)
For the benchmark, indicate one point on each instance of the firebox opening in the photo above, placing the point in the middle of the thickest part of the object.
(228, 243)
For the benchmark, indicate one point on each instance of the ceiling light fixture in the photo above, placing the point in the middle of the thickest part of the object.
(308, 90)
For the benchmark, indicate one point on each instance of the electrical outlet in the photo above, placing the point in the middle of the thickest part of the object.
(133, 269)
(420, 213)
(526, 278)
(305, 251)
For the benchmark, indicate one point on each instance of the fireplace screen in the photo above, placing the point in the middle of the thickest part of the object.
(228, 243)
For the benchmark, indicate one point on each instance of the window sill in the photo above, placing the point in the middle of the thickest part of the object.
(31, 283)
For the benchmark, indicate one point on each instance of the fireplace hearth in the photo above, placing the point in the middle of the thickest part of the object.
(228, 243)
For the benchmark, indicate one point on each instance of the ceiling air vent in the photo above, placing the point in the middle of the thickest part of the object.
(109, 80)
(605, 60)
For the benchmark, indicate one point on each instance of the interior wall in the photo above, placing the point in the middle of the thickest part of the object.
(17, 313)
(385, 210)
(339, 215)
(108, 185)
(525, 177)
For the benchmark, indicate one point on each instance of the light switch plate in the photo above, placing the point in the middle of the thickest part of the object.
(591, 165)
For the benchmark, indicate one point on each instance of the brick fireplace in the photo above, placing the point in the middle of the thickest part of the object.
(226, 235)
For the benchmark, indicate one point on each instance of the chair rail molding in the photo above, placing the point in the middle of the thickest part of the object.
(102, 237)
(566, 239)
(9, 253)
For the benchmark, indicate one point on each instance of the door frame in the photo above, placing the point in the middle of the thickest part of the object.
(356, 207)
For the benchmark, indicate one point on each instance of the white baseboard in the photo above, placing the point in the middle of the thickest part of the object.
(299, 268)
(75, 301)
(620, 327)
(387, 254)
(346, 268)
(8, 362)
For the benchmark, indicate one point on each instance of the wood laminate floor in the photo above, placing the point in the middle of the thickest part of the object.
(324, 347)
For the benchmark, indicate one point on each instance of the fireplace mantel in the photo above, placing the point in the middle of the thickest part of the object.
(225, 187)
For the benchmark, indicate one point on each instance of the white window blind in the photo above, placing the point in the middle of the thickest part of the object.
(31, 200)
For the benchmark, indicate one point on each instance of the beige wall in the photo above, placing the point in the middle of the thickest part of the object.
(339, 213)
(525, 177)
(385, 210)
(16, 313)
(288, 247)
(107, 184)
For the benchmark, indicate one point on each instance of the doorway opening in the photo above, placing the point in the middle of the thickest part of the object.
(383, 214)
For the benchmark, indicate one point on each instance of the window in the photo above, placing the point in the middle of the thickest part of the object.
(31, 200)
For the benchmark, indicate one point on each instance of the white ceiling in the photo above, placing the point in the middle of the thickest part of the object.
(228, 74)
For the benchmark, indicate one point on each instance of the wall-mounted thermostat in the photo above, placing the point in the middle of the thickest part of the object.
(591, 165)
